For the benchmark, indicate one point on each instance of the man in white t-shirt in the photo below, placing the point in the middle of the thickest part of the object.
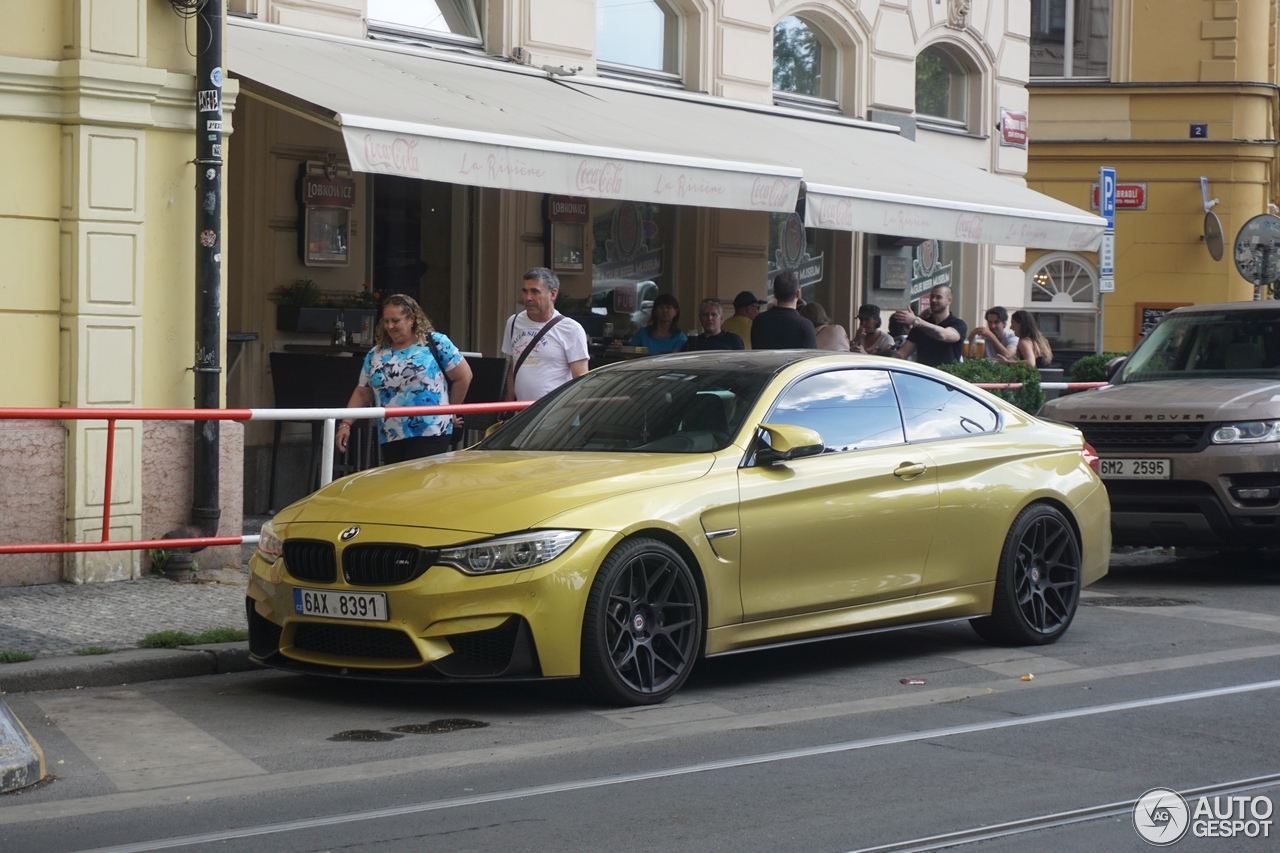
(560, 353)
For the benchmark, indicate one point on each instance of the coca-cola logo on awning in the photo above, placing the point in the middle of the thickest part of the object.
(969, 228)
(397, 154)
(599, 177)
(770, 194)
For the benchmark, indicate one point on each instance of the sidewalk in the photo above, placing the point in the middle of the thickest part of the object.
(53, 621)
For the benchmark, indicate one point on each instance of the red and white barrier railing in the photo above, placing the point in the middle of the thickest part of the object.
(329, 416)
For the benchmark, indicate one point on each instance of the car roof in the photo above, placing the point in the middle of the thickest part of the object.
(768, 360)
(1263, 305)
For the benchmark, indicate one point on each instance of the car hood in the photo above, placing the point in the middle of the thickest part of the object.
(1172, 399)
(491, 491)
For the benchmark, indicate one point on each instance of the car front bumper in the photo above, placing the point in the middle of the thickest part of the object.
(442, 625)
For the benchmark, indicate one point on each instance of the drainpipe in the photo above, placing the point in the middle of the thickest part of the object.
(208, 350)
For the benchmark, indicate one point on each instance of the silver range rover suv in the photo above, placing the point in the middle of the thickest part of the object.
(1188, 432)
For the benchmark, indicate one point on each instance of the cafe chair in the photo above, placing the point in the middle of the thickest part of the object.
(488, 385)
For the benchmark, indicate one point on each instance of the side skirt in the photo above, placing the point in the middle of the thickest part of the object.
(955, 605)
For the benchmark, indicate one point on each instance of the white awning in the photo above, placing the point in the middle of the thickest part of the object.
(408, 111)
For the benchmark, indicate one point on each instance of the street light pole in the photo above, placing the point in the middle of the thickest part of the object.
(208, 352)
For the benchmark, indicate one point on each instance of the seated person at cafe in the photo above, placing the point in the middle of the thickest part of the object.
(711, 316)
(663, 333)
(999, 341)
(869, 338)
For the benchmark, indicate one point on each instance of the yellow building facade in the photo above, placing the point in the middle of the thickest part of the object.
(1166, 93)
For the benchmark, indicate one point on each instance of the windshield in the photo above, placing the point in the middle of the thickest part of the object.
(665, 409)
(1244, 344)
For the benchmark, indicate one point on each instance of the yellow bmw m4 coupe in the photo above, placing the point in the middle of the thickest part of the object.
(671, 508)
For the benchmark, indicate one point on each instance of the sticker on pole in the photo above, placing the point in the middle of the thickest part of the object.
(208, 101)
(1257, 250)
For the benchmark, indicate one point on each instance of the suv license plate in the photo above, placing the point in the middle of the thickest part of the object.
(1134, 469)
(369, 606)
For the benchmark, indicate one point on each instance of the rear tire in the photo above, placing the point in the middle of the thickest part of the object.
(1037, 587)
(642, 630)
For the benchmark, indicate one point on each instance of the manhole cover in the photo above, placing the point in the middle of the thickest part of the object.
(437, 726)
(1135, 601)
(366, 735)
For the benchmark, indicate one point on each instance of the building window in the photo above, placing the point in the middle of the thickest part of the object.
(1064, 279)
(943, 93)
(638, 39)
(1070, 38)
(1062, 296)
(804, 65)
(448, 21)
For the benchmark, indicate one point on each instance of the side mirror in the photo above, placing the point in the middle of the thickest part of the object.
(1114, 366)
(786, 442)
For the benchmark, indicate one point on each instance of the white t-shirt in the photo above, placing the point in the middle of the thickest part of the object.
(547, 368)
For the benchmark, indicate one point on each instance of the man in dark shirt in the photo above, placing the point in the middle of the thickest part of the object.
(711, 315)
(782, 327)
(938, 340)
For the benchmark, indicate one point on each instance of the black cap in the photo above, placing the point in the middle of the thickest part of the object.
(745, 298)
(872, 311)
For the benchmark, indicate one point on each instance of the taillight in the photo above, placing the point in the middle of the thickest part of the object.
(1091, 457)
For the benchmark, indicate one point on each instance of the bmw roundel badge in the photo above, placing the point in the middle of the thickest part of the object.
(349, 534)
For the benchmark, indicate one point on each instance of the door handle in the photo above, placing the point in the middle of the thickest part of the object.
(910, 470)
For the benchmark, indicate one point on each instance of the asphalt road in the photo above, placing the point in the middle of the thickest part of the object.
(1169, 677)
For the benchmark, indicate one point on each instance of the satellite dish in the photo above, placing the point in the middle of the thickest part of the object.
(1257, 250)
(1213, 235)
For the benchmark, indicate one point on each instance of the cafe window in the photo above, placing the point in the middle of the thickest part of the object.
(454, 22)
(638, 39)
(1062, 296)
(1070, 38)
(945, 89)
(804, 62)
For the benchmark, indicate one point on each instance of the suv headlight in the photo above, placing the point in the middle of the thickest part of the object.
(1248, 432)
(270, 546)
(509, 553)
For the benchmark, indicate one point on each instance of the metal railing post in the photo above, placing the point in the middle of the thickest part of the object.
(106, 483)
(326, 453)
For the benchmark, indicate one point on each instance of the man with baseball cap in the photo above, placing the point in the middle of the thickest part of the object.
(745, 308)
(869, 338)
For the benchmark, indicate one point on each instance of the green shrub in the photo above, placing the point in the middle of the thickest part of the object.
(12, 656)
(1093, 368)
(173, 639)
(1029, 398)
(93, 650)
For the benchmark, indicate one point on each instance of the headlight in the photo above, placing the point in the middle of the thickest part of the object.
(1249, 432)
(509, 553)
(270, 546)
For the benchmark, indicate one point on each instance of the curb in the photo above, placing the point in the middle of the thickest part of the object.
(128, 666)
(21, 760)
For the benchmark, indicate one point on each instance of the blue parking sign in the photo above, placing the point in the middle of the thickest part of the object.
(1107, 195)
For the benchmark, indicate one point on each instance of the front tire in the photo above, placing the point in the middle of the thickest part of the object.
(642, 630)
(1037, 586)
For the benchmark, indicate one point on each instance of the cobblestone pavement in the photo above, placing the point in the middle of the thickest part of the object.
(56, 619)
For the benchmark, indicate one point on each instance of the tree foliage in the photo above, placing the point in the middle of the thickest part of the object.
(797, 58)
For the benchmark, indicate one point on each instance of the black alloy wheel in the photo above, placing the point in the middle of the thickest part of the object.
(642, 630)
(1037, 586)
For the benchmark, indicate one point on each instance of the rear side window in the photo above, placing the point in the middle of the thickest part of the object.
(931, 409)
(850, 409)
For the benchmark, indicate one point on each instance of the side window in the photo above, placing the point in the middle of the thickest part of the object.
(850, 409)
(931, 409)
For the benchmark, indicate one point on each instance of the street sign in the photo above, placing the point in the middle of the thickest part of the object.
(1106, 285)
(1107, 256)
(1257, 250)
(1107, 200)
(1128, 196)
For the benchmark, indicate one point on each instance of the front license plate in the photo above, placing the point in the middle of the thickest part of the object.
(370, 606)
(1134, 469)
